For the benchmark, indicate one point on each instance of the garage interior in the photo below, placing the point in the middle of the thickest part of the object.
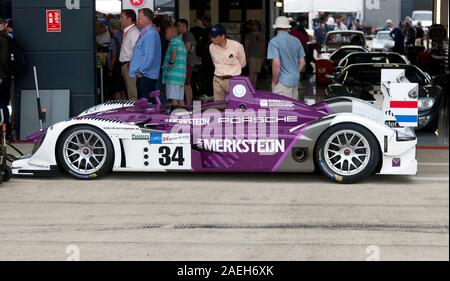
(66, 60)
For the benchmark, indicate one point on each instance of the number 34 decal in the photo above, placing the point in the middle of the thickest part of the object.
(167, 156)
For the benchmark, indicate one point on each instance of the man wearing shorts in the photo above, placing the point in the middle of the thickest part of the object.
(288, 60)
(254, 48)
(189, 42)
(174, 67)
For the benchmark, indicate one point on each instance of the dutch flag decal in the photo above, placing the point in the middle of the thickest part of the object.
(406, 110)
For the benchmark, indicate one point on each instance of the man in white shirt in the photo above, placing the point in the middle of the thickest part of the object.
(130, 37)
(229, 59)
(340, 25)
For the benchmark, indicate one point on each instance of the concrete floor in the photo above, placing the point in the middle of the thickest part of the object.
(229, 217)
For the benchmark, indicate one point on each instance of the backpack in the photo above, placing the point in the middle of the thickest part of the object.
(16, 57)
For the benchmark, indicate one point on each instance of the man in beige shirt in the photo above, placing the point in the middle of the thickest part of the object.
(228, 57)
(130, 36)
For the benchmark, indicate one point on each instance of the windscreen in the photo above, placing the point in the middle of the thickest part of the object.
(339, 39)
(357, 76)
(422, 17)
(384, 36)
(373, 58)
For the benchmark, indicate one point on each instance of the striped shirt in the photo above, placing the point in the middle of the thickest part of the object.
(176, 74)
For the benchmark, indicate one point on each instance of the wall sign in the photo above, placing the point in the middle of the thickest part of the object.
(53, 18)
(137, 3)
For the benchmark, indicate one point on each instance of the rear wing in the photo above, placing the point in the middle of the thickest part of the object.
(401, 99)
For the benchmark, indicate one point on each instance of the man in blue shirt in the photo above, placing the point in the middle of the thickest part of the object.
(146, 60)
(288, 60)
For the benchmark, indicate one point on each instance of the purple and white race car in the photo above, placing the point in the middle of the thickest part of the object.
(252, 131)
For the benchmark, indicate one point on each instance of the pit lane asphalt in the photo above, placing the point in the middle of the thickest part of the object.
(229, 216)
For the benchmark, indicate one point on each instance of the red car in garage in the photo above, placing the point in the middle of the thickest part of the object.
(338, 44)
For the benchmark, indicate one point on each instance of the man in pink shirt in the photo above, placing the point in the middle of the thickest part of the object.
(228, 57)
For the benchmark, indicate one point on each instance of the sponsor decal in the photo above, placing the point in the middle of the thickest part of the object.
(403, 103)
(264, 103)
(236, 120)
(283, 104)
(120, 129)
(242, 145)
(267, 119)
(239, 91)
(140, 137)
(162, 138)
(396, 162)
(181, 113)
(194, 122)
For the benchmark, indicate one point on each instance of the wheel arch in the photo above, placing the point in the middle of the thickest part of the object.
(333, 124)
(114, 142)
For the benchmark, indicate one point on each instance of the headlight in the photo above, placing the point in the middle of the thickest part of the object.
(426, 103)
(424, 120)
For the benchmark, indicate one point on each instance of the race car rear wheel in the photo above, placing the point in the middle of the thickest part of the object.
(347, 153)
(85, 152)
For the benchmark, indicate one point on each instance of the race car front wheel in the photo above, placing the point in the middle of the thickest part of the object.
(347, 153)
(85, 152)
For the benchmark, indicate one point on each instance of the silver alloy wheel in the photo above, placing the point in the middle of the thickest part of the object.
(84, 152)
(347, 152)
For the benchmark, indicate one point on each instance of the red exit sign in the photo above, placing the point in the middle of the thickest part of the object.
(53, 20)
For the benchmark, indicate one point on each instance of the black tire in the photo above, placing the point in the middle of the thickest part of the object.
(7, 174)
(329, 162)
(98, 147)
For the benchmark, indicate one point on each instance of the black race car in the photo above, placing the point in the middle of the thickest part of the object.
(345, 51)
(363, 81)
(372, 57)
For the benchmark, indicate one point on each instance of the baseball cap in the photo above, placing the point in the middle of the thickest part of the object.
(217, 30)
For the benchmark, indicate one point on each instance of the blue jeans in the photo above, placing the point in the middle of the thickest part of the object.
(145, 86)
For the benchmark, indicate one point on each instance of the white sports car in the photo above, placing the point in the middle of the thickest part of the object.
(252, 131)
